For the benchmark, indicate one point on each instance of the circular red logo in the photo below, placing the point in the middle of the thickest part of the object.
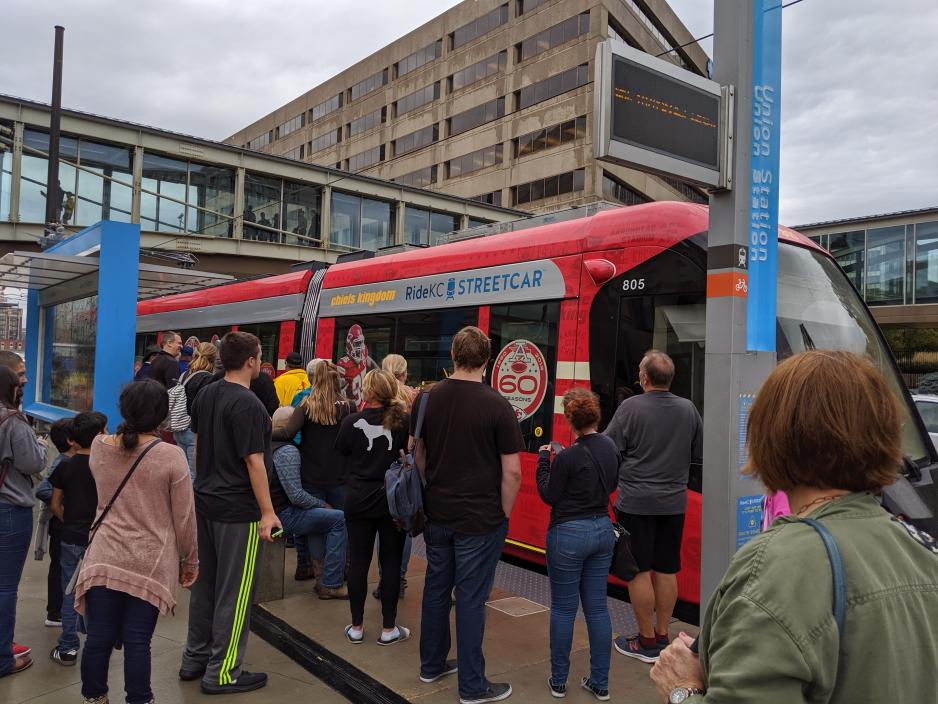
(520, 375)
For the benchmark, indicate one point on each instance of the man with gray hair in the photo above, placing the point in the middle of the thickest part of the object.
(660, 436)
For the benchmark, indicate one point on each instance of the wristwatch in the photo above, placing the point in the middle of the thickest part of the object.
(681, 694)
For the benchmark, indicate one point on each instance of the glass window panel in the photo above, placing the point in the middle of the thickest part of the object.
(261, 206)
(377, 224)
(568, 131)
(163, 176)
(6, 182)
(523, 193)
(302, 203)
(552, 136)
(926, 263)
(416, 225)
(33, 173)
(73, 352)
(345, 230)
(550, 186)
(579, 177)
(848, 250)
(442, 224)
(885, 265)
(211, 200)
(565, 182)
(556, 37)
(537, 189)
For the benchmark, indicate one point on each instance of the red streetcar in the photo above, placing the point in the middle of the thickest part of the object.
(574, 303)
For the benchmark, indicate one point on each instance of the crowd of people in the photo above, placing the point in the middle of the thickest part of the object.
(135, 513)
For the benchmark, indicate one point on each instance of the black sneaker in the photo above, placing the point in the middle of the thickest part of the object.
(449, 668)
(556, 690)
(633, 648)
(246, 682)
(495, 693)
(601, 694)
(64, 657)
(191, 675)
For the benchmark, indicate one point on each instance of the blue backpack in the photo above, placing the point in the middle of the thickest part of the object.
(404, 484)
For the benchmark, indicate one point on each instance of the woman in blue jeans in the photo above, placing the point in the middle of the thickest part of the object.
(580, 541)
(22, 456)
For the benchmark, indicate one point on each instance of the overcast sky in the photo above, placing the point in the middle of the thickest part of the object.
(859, 84)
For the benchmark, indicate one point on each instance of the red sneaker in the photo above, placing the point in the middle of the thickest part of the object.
(21, 650)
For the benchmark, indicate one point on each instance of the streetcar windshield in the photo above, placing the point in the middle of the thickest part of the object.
(819, 309)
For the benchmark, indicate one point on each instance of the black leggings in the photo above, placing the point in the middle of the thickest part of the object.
(361, 546)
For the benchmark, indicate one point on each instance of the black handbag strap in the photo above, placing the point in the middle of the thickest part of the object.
(421, 412)
(837, 571)
(120, 487)
(599, 473)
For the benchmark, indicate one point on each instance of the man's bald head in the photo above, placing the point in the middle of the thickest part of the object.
(658, 369)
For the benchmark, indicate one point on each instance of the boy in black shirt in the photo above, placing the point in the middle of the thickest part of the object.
(74, 502)
(234, 513)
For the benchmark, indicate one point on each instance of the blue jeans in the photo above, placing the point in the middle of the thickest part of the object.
(314, 546)
(186, 440)
(468, 562)
(323, 523)
(114, 616)
(578, 557)
(68, 640)
(16, 530)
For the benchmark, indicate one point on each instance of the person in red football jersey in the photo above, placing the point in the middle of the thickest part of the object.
(355, 364)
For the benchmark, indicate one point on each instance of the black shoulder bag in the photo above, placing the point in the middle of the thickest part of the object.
(623, 564)
(70, 587)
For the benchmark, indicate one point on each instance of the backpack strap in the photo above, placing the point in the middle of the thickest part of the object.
(837, 570)
(421, 412)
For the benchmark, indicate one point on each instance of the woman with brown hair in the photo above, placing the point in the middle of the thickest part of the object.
(825, 429)
(322, 472)
(371, 440)
(577, 485)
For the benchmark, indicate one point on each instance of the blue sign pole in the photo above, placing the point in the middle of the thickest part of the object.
(763, 180)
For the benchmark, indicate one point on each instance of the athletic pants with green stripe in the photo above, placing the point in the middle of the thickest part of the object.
(220, 603)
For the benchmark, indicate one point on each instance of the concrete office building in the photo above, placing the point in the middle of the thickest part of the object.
(491, 100)
(234, 211)
(892, 261)
(12, 336)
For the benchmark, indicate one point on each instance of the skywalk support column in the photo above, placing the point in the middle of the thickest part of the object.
(742, 236)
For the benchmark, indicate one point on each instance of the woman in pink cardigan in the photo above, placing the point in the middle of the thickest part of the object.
(145, 546)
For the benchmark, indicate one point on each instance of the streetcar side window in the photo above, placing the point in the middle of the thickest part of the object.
(524, 362)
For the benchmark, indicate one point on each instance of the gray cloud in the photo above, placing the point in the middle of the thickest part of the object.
(859, 100)
(860, 92)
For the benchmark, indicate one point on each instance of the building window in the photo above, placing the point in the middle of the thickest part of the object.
(417, 99)
(302, 208)
(263, 197)
(210, 199)
(686, 190)
(419, 58)
(553, 136)
(298, 153)
(416, 140)
(658, 35)
(425, 227)
(926, 262)
(848, 248)
(529, 5)
(291, 126)
(327, 107)
(552, 87)
(261, 141)
(558, 185)
(885, 265)
(366, 86)
(367, 122)
(615, 190)
(324, 141)
(479, 115)
(180, 196)
(105, 192)
(553, 36)
(418, 179)
(474, 161)
(493, 198)
(478, 71)
(478, 222)
(364, 159)
(478, 27)
(361, 223)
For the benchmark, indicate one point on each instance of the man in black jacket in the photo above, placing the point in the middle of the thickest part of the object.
(165, 366)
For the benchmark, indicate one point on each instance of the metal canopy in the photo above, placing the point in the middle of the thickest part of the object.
(44, 272)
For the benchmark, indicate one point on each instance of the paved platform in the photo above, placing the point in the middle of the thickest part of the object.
(516, 639)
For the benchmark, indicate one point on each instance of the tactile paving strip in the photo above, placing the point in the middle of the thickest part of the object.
(535, 587)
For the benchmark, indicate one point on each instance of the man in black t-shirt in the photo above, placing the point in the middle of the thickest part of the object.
(234, 513)
(473, 473)
(74, 502)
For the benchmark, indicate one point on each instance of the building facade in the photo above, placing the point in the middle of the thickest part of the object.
(12, 336)
(491, 100)
(207, 204)
(892, 260)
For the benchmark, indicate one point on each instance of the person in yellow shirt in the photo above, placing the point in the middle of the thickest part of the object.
(293, 380)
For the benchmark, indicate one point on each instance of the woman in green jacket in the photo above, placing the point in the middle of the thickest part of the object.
(825, 429)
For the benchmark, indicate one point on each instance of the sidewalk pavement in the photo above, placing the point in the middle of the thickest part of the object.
(49, 683)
